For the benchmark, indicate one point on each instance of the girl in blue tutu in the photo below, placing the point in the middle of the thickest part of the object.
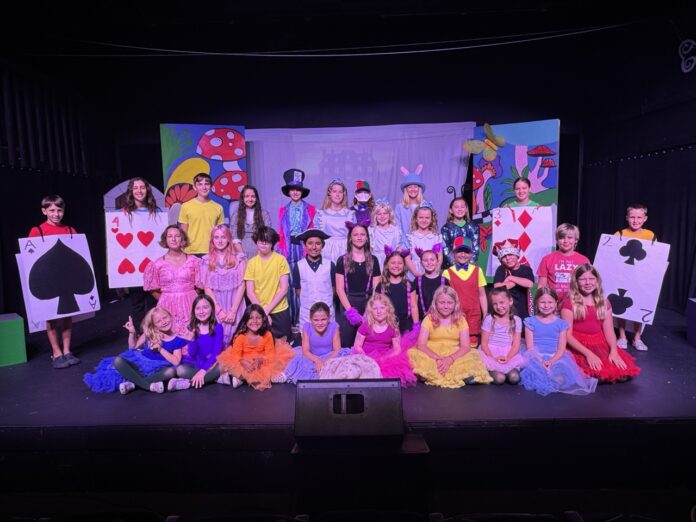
(149, 362)
(549, 368)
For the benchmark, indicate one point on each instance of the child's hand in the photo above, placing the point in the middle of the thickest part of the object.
(319, 365)
(247, 365)
(185, 351)
(594, 361)
(444, 363)
(547, 364)
(258, 362)
(501, 359)
(129, 325)
(232, 316)
(616, 360)
(198, 380)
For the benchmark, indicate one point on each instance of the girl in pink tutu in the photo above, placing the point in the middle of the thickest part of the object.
(378, 338)
(591, 336)
(501, 334)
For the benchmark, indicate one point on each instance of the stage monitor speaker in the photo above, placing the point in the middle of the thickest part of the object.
(343, 414)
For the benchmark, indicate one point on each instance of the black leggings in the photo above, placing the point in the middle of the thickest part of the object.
(132, 373)
(347, 331)
(187, 371)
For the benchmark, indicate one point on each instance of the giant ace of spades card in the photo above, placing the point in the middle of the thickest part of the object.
(57, 276)
(632, 271)
(532, 226)
(132, 243)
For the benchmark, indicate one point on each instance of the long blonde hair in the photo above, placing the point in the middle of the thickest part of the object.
(391, 313)
(406, 201)
(327, 198)
(457, 314)
(390, 212)
(433, 219)
(229, 256)
(153, 335)
(576, 297)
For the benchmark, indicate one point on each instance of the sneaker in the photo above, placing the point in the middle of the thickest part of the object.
(59, 362)
(279, 378)
(72, 360)
(622, 343)
(470, 380)
(126, 387)
(236, 383)
(224, 379)
(178, 384)
(638, 344)
(157, 387)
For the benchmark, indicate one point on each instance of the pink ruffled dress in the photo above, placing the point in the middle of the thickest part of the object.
(224, 282)
(378, 346)
(177, 287)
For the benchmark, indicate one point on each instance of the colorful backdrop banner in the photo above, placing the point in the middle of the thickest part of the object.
(132, 242)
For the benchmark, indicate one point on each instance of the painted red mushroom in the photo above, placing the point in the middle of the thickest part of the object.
(222, 144)
(228, 184)
(542, 153)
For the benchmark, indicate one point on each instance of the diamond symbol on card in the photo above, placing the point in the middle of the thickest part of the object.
(525, 219)
(497, 222)
(525, 241)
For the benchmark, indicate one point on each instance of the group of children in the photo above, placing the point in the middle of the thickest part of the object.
(368, 284)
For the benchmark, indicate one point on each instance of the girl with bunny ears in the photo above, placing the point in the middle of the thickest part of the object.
(412, 187)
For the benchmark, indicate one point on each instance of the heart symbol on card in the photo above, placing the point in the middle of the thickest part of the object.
(146, 237)
(143, 264)
(126, 267)
(124, 239)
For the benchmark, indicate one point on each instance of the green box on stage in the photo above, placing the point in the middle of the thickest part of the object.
(13, 349)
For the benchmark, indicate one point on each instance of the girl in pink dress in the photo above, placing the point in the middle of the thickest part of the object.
(501, 334)
(172, 278)
(378, 338)
(222, 277)
(591, 336)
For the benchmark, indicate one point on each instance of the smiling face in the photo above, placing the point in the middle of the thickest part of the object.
(202, 188)
(567, 242)
(254, 322)
(429, 262)
(220, 240)
(395, 265)
(424, 218)
(445, 305)
(139, 193)
(313, 247)
(54, 214)
(337, 194)
(162, 321)
(501, 304)
(462, 256)
(459, 210)
(358, 236)
(320, 321)
(249, 198)
(382, 217)
(509, 261)
(587, 283)
(546, 305)
(174, 239)
(379, 311)
(521, 191)
(412, 191)
(202, 311)
(295, 195)
(636, 218)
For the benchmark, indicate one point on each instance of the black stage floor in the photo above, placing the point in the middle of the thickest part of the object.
(626, 437)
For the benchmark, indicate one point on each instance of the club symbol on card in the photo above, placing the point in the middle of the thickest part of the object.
(619, 302)
(29, 247)
(61, 273)
(126, 267)
(124, 239)
(634, 251)
(146, 237)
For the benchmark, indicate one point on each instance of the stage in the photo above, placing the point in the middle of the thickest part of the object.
(58, 437)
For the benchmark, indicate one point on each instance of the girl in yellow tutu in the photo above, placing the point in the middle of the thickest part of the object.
(443, 356)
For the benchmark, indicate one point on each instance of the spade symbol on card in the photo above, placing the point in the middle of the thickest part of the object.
(63, 273)
(29, 247)
(620, 303)
(634, 251)
(92, 301)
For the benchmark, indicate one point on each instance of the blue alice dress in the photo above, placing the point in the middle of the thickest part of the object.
(106, 378)
(302, 367)
(564, 376)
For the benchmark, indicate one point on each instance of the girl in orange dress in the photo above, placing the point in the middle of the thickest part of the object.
(253, 356)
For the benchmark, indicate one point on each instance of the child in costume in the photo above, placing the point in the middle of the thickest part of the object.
(443, 356)
(423, 235)
(321, 343)
(591, 335)
(199, 215)
(332, 218)
(293, 219)
(458, 224)
(516, 278)
(222, 277)
(384, 231)
(314, 275)
(548, 367)
(501, 333)
(246, 216)
(53, 207)
(199, 366)
(430, 281)
(253, 357)
(396, 286)
(556, 269)
(378, 338)
(148, 367)
(636, 216)
(412, 188)
(363, 203)
(468, 281)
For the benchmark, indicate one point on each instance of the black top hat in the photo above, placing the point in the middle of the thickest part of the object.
(293, 180)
